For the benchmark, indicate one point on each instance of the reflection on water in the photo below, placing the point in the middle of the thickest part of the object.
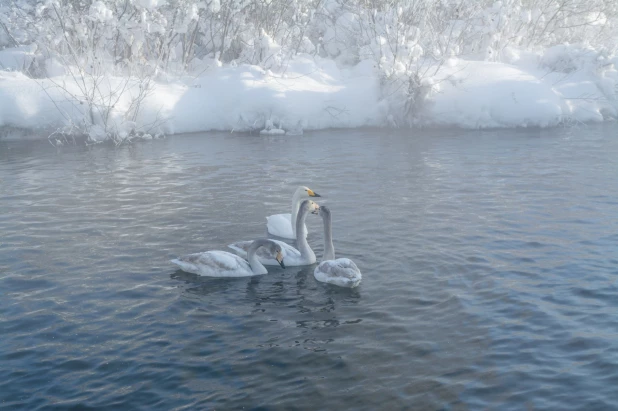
(488, 258)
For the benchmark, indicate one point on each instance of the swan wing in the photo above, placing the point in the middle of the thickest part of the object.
(214, 264)
(241, 247)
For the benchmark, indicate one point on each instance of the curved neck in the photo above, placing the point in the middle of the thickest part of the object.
(296, 200)
(301, 239)
(329, 248)
(254, 262)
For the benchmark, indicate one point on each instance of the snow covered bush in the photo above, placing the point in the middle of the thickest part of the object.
(156, 33)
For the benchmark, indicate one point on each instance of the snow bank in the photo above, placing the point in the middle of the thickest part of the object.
(313, 93)
(479, 94)
(246, 97)
(310, 95)
(51, 104)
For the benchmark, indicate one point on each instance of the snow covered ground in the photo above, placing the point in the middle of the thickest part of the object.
(529, 90)
(481, 94)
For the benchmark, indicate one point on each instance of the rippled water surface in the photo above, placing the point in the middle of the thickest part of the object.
(490, 263)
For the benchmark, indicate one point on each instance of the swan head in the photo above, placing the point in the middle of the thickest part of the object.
(279, 257)
(275, 249)
(306, 191)
(324, 212)
(309, 206)
(270, 246)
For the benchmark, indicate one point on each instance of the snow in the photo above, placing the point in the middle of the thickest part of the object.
(150, 4)
(246, 97)
(241, 98)
(17, 58)
(479, 94)
(99, 12)
(312, 93)
(272, 131)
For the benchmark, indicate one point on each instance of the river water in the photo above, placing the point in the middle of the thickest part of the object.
(489, 260)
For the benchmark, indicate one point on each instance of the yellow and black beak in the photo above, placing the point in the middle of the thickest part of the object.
(280, 259)
(313, 193)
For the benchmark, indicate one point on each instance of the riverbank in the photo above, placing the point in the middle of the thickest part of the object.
(561, 85)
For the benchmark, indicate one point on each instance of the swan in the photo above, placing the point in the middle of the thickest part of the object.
(341, 271)
(223, 264)
(281, 224)
(304, 255)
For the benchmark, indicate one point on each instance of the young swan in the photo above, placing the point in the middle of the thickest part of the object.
(223, 264)
(304, 255)
(284, 225)
(341, 271)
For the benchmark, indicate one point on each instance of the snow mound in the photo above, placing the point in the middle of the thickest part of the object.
(273, 132)
(244, 98)
(478, 94)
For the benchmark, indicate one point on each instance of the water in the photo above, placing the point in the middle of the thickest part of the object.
(489, 264)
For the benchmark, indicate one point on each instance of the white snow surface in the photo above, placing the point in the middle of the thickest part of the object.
(17, 58)
(313, 93)
(484, 94)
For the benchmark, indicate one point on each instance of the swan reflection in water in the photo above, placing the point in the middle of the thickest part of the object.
(283, 308)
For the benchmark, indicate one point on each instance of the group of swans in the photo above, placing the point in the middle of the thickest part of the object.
(341, 271)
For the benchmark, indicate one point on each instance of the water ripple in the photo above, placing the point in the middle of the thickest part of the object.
(488, 258)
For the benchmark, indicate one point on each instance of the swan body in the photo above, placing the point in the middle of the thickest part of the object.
(304, 255)
(216, 264)
(341, 271)
(280, 225)
(223, 264)
(284, 225)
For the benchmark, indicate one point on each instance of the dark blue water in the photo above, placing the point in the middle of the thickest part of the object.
(489, 260)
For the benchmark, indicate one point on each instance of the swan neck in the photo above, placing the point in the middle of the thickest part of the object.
(256, 266)
(301, 239)
(329, 248)
(296, 200)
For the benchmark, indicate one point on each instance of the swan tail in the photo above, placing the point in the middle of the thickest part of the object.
(184, 266)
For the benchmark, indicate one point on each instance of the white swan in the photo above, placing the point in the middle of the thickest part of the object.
(341, 271)
(293, 257)
(281, 224)
(223, 264)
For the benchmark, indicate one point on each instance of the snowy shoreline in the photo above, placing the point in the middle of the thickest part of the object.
(117, 69)
(315, 94)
